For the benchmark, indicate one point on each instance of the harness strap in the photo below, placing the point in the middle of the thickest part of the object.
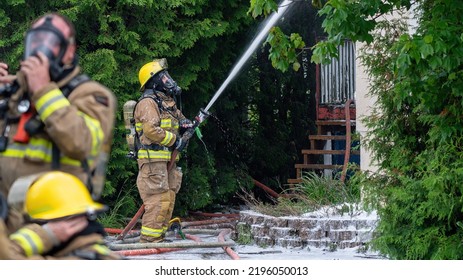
(149, 93)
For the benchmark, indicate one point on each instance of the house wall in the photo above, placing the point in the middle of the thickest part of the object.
(364, 105)
(364, 102)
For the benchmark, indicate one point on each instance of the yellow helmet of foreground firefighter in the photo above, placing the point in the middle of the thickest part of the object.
(150, 69)
(57, 194)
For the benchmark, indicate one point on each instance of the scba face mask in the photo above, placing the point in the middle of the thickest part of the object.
(50, 41)
(165, 83)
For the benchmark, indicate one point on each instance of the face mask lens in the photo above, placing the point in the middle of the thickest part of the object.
(44, 41)
(167, 81)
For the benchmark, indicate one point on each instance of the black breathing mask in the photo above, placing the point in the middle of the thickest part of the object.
(164, 82)
(50, 41)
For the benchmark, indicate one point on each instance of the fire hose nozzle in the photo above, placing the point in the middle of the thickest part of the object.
(202, 115)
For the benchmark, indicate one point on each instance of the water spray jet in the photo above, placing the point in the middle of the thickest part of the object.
(255, 43)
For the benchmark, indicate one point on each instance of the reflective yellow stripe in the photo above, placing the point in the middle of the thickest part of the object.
(50, 102)
(101, 249)
(166, 123)
(138, 126)
(37, 149)
(169, 136)
(29, 241)
(151, 232)
(40, 149)
(97, 134)
(152, 154)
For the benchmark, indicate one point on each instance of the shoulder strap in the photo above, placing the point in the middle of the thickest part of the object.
(66, 90)
(152, 96)
(75, 82)
(158, 101)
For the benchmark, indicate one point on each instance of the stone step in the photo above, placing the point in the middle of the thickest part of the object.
(321, 232)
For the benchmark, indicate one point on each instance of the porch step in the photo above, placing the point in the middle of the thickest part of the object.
(329, 152)
(327, 130)
(317, 166)
(333, 122)
(295, 181)
(327, 137)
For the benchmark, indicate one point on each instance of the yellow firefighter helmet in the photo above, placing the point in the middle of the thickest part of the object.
(150, 69)
(57, 194)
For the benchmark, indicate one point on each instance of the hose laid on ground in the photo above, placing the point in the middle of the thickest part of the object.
(147, 251)
(132, 222)
(270, 191)
(116, 231)
(193, 237)
(151, 251)
(131, 247)
(227, 249)
(118, 247)
(214, 214)
(202, 231)
(215, 226)
(265, 188)
(206, 222)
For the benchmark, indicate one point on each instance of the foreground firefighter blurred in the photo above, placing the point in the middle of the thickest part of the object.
(53, 117)
(62, 217)
(160, 128)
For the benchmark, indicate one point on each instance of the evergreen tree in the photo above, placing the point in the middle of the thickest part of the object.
(416, 132)
(262, 113)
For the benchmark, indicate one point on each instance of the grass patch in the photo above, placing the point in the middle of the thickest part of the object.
(314, 193)
(244, 234)
(114, 218)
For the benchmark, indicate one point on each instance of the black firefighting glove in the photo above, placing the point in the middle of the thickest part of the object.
(180, 143)
(184, 125)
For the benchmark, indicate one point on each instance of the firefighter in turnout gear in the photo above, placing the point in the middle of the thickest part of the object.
(62, 221)
(52, 117)
(158, 123)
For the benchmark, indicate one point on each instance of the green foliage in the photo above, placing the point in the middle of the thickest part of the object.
(283, 49)
(244, 234)
(416, 135)
(262, 7)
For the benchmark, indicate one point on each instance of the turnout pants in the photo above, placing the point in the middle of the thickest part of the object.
(158, 189)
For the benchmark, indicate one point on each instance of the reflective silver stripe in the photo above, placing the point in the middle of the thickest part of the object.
(151, 232)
